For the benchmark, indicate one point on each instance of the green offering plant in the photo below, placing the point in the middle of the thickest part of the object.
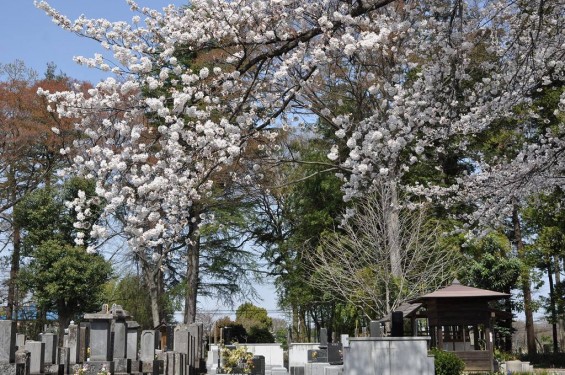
(237, 360)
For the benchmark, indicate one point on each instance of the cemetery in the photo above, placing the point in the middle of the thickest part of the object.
(454, 318)
(108, 342)
(344, 161)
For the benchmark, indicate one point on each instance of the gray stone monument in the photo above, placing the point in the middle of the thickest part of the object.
(50, 341)
(133, 334)
(72, 343)
(375, 329)
(181, 339)
(83, 341)
(148, 345)
(197, 331)
(37, 356)
(120, 340)
(180, 367)
(20, 340)
(132, 339)
(7, 341)
(100, 338)
(149, 341)
(122, 365)
(174, 363)
(323, 338)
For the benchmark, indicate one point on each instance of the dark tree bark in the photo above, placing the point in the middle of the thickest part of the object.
(12, 310)
(526, 284)
(192, 272)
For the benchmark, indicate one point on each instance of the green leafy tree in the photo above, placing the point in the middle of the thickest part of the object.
(250, 315)
(66, 279)
(260, 335)
(62, 277)
(493, 267)
(302, 202)
(29, 152)
(544, 223)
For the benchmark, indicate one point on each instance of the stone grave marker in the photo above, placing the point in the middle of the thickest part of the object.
(335, 356)
(50, 340)
(120, 342)
(100, 338)
(148, 345)
(132, 328)
(323, 338)
(36, 350)
(20, 340)
(133, 334)
(7, 341)
(149, 341)
(375, 329)
(72, 343)
(83, 341)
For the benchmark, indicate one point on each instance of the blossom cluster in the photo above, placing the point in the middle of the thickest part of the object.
(192, 86)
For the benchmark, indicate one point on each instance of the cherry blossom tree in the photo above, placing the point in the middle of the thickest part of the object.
(435, 73)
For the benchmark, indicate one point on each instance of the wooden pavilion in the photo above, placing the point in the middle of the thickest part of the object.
(461, 320)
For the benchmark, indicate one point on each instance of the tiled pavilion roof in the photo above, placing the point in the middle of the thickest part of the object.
(457, 290)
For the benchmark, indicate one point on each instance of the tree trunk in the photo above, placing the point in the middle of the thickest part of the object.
(64, 320)
(150, 277)
(561, 322)
(192, 273)
(552, 305)
(526, 284)
(159, 279)
(390, 210)
(154, 295)
(295, 326)
(12, 310)
(304, 328)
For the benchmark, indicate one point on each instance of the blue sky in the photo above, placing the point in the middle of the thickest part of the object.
(28, 34)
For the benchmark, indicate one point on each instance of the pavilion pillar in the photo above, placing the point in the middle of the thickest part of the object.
(490, 340)
(440, 337)
(476, 337)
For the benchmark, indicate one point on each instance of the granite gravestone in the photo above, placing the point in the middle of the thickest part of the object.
(7, 341)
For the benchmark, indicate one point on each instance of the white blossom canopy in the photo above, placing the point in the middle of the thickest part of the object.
(192, 86)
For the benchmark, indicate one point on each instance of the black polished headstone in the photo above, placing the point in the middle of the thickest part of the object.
(397, 324)
(258, 365)
(335, 356)
(170, 337)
